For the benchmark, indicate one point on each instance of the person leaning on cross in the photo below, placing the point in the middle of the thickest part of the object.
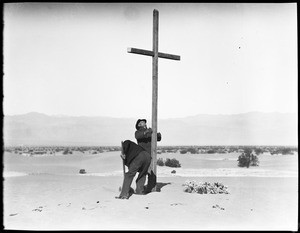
(138, 161)
(143, 136)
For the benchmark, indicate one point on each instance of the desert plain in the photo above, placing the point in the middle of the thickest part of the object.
(49, 193)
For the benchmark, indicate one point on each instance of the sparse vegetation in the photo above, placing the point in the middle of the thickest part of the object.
(58, 150)
(172, 163)
(211, 151)
(283, 151)
(169, 162)
(258, 151)
(205, 188)
(66, 152)
(192, 150)
(160, 162)
(247, 158)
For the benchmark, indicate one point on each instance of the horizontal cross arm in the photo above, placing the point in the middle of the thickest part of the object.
(140, 51)
(169, 56)
(151, 53)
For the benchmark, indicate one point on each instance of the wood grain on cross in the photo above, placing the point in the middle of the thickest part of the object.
(155, 55)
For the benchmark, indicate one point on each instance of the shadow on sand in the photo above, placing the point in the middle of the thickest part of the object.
(160, 185)
(152, 184)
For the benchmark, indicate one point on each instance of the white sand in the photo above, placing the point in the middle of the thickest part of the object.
(54, 196)
(7, 174)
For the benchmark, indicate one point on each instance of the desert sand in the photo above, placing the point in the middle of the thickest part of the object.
(48, 193)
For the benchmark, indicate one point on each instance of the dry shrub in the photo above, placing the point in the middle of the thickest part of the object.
(160, 162)
(172, 163)
(205, 188)
(247, 158)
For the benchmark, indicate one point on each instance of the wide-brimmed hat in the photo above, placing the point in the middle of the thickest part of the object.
(138, 121)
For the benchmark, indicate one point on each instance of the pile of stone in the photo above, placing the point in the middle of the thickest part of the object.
(205, 188)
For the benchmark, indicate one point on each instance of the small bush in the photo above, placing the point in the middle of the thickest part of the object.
(192, 150)
(205, 188)
(258, 151)
(172, 163)
(82, 171)
(212, 151)
(221, 152)
(160, 162)
(66, 152)
(184, 151)
(286, 151)
(247, 158)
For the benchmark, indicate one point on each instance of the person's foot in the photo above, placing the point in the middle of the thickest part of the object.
(131, 191)
(140, 191)
(121, 197)
(146, 190)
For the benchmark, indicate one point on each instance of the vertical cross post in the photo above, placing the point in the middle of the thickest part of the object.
(154, 93)
(155, 55)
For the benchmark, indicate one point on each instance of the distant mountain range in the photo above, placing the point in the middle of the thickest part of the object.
(254, 128)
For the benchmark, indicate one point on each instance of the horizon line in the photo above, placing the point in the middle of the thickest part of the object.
(212, 114)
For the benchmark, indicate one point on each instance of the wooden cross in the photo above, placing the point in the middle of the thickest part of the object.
(155, 55)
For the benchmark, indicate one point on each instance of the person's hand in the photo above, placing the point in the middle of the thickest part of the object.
(149, 130)
(159, 136)
(122, 156)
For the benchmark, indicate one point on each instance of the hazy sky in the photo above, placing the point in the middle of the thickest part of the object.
(71, 59)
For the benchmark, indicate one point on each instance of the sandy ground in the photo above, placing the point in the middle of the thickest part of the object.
(48, 193)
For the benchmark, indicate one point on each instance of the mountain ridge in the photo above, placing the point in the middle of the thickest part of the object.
(252, 128)
(33, 113)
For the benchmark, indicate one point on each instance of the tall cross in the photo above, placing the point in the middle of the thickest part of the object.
(155, 55)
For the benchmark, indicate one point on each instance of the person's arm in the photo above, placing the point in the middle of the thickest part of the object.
(158, 137)
(139, 134)
(123, 156)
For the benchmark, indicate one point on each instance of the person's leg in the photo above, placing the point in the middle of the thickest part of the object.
(151, 179)
(140, 185)
(133, 169)
(151, 182)
(145, 163)
(126, 185)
